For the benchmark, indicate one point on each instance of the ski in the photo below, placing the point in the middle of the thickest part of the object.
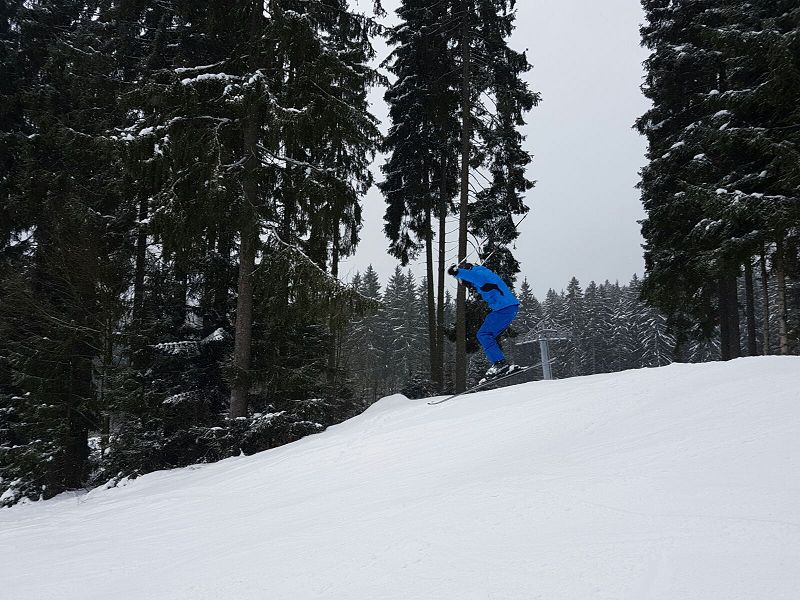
(485, 384)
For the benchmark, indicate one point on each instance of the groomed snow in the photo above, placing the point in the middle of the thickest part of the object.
(676, 483)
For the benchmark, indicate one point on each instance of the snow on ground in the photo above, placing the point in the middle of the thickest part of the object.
(673, 483)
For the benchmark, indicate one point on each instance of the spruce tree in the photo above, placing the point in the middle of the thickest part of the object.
(530, 310)
(446, 51)
(490, 72)
(573, 318)
(266, 129)
(420, 174)
(681, 73)
(145, 151)
(64, 198)
(723, 79)
(397, 339)
(596, 330)
(364, 337)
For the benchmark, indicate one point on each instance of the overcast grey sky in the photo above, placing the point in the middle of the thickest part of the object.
(587, 64)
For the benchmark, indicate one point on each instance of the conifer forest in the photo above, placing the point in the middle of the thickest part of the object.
(181, 182)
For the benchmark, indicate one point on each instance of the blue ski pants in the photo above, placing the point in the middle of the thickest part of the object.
(494, 325)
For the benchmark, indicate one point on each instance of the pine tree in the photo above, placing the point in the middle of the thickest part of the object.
(364, 342)
(127, 210)
(12, 72)
(65, 198)
(489, 67)
(530, 310)
(396, 366)
(423, 143)
(573, 318)
(626, 334)
(595, 334)
(680, 74)
(608, 299)
(267, 128)
(723, 79)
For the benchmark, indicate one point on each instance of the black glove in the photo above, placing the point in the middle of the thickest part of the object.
(452, 270)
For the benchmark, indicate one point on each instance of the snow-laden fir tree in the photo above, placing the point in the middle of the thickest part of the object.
(63, 233)
(364, 337)
(721, 184)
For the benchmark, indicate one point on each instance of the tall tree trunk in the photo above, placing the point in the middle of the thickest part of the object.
(734, 327)
(72, 471)
(179, 299)
(207, 300)
(780, 277)
(724, 334)
(466, 138)
(221, 287)
(430, 294)
(680, 347)
(138, 356)
(248, 232)
(333, 322)
(752, 344)
(765, 301)
(244, 313)
(730, 343)
(141, 257)
(442, 256)
(729, 292)
(102, 384)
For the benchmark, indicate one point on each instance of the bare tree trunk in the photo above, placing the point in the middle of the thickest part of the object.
(244, 316)
(248, 232)
(780, 275)
(221, 292)
(752, 344)
(466, 138)
(730, 344)
(734, 326)
(207, 299)
(179, 299)
(765, 301)
(442, 256)
(724, 336)
(75, 452)
(141, 257)
(333, 323)
(108, 359)
(429, 284)
(679, 350)
(137, 356)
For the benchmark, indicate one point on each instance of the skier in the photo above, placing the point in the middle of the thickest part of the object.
(504, 305)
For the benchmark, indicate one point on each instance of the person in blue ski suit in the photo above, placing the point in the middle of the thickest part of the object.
(504, 306)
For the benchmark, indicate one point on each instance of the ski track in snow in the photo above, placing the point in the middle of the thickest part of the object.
(679, 483)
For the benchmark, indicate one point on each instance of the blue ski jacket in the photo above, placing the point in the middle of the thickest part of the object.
(489, 285)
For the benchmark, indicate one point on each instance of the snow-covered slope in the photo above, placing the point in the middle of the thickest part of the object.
(675, 483)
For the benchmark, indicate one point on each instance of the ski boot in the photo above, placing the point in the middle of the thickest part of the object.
(497, 370)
